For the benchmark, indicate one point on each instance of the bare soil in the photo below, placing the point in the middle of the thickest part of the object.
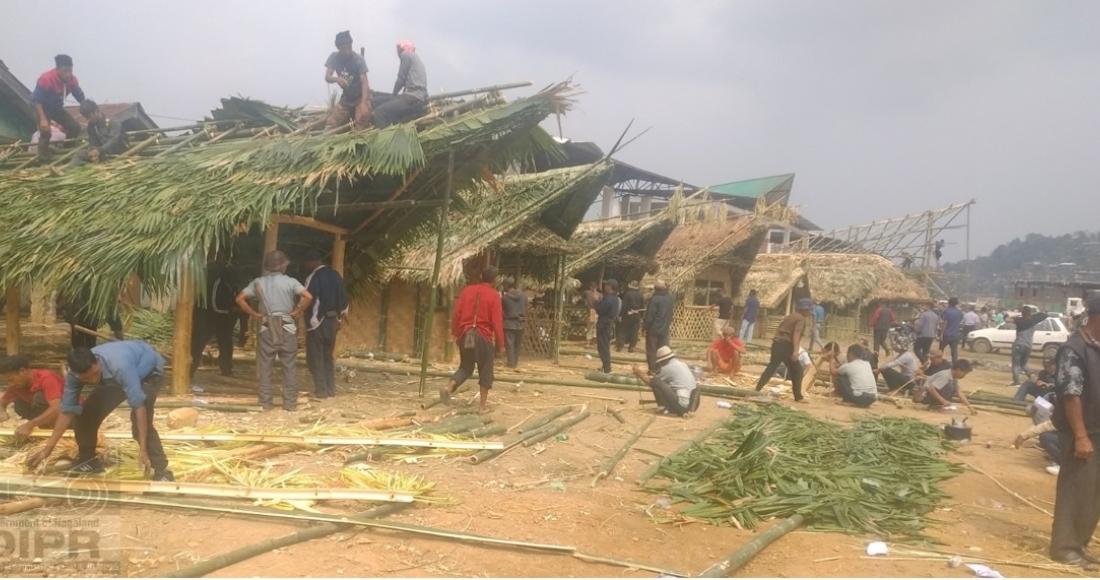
(520, 495)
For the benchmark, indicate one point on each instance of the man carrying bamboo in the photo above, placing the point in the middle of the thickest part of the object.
(477, 326)
(129, 371)
(1077, 418)
(348, 69)
(275, 292)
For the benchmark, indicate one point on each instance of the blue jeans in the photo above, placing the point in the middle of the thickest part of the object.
(746, 330)
(1020, 354)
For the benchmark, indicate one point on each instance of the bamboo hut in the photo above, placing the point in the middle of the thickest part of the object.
(620, 249)
(779, 280)
(521, 224)
(254, 177)
(700, 258)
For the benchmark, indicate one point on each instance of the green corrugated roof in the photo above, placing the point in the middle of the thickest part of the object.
(754, 188)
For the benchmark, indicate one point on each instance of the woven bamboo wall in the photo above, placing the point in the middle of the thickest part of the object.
(402, 322)
(539, 330)
(693, 322)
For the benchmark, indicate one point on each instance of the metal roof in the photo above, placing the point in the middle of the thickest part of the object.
(774, 185)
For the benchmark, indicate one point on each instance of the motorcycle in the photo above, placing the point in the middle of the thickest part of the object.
(902, 336)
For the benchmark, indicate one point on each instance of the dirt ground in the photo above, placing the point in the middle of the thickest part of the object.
(543, 494)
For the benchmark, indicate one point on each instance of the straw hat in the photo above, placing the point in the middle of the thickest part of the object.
(664, 353)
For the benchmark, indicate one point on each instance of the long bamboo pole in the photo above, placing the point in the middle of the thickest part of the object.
(556, 427)
(293, 439)
(559, 311)
(203, 489)
(742, 555)
(226, 559)
(429, 318)
(614, 460)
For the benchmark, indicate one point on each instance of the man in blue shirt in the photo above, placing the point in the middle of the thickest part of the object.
(819, 325)
(952, 327)
(607, 312)
(126, 370)
(748, 319)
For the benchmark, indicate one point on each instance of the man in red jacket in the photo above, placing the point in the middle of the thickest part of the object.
(477, 326)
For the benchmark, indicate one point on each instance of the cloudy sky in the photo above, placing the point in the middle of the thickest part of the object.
(881, 107)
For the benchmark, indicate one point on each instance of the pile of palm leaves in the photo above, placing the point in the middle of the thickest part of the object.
(880, 476)
(153, 327)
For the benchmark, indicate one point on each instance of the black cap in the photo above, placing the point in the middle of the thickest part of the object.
(343, 37)
(88, 107)
(63, 60)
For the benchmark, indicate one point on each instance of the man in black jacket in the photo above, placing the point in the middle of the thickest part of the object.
(329, 307)
(657, 322)
(631, 318)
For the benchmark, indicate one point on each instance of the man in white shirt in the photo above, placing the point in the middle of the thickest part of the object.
(856, 380)
(971, 321)
(673, 385)
(903, 369)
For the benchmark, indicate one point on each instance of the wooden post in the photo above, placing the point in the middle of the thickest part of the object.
(559, 308)
(11, 320)
(271, 239)
(383, 314)
(181, 352)
(339, 245)
(429, 320)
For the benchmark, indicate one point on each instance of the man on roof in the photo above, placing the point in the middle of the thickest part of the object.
(49, 95)
(105, 138)
(410, 91)
(348, 69)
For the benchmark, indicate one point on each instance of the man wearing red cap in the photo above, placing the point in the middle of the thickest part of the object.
(410, 92)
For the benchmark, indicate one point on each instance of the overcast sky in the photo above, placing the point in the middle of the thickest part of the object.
(880, 108)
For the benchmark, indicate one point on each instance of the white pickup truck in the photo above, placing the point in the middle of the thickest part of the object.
(1049, 335)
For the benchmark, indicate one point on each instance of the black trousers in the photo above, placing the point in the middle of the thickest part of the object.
(879, 340)
(921, 347)
(603, 345)
(781, 353)
(389, 109)
(68, 124)
(513, 342)
(953, 342)
(321, 358)
(481, 355)
(1076, 501)
(893, 377)
(666, 397)
(100, 403)
(219, 326)
(654, 341)
(849, 396)
(627, 332)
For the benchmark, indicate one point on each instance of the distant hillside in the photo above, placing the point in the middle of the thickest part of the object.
(1070, 257)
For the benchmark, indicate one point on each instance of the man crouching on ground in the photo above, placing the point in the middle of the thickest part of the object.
(478, 322)
(129, 371)
(673, 385)
(36, 394)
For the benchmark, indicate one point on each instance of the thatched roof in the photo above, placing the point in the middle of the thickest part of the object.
(694, 247)
(520, 213)
(620, 243)
(847, 279)
(772, 276)
(161, 214)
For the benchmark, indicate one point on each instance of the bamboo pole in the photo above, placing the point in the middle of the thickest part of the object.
(614, 460)
(231, 557)
(536, 423)
(559, 310)
(555, 428)
(12, 331)
(429, 319)
(649, 473)
(190, 139)
(292, 439)
(742, 555)
(21, 505)
(1006, 489)
(181, 352)
(488, 89)
(204, 489)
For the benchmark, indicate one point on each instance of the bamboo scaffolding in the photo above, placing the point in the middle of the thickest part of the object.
(614, 460)
(204, 489)
(290, 439)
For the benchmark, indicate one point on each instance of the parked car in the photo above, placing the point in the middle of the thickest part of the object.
(1049, 335)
